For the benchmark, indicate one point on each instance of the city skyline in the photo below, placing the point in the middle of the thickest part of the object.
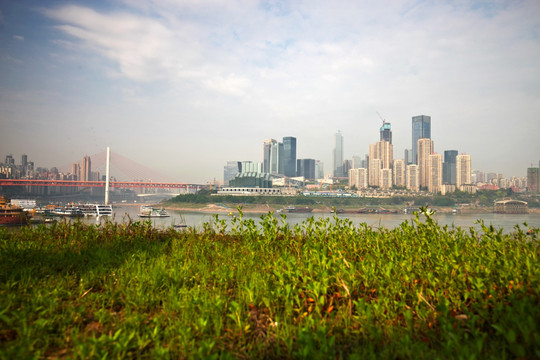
(186, 87)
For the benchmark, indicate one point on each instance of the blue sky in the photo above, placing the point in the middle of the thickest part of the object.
(184, 86)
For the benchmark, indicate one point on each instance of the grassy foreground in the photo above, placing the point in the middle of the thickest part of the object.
(323, 289)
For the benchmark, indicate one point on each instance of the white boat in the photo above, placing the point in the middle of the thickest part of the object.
(150, 212)
(96, 210)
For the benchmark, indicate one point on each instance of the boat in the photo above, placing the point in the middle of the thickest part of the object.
(96, 210)
(67, 211)
(150, 212)
(11, 214)
(364, 211)
(293, 209)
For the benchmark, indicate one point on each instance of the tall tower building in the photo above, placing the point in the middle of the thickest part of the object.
(463, 170)
(86, 169)
(399, 172)
(358, 177)
(319, 169)
(382, 151)
(230, 170)
(435, 173)
(76, 170)
(533, 179)
(375, 166)
(385, 178)
(267, 154)
(337, 155)
(421, 128)
(24, 161)
(289, 156)
(305, 168)
(413, 177)
(449, 167)
(425, 148)
(386, 132)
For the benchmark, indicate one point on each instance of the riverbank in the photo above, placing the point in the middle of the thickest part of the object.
(318, 209)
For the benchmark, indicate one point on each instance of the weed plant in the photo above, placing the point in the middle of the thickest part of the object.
(240, 289)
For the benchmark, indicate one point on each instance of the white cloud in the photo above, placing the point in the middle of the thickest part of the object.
(18, 37)
(309, 68)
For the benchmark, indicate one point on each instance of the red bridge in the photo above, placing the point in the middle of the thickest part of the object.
(122, 167)
(113, 184)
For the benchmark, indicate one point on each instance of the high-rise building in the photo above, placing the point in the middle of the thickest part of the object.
(358, 177)
(10, 160)
(267, 154)
(463, 170)
(425, 148)
(305, 168)
(375, 166)
(24, 161)
(533, 179)
(408, 156)
(449, 167)
(251, 167)
(435, 173)
(76, 170)
(230, 170)
(337, 155)
(347, 165)
(399, 172)
(86, 169)
(385, 178)
(382, 151)
(421, 128)
(289, 156)
(319, 169)
(413, 177)
(386, 132)
(356, 162)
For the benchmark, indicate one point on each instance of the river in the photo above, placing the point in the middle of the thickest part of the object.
(196, 219)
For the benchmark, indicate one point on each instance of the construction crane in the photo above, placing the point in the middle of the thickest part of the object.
(383, 120)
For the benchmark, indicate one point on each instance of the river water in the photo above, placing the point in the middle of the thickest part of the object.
(196, 219)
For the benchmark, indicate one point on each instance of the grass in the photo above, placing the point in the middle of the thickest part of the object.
(238, 289)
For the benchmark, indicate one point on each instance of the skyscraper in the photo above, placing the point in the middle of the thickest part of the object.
(319, 169)
(385, 178)
(425, 149)
(413, 177)
(421, 128)
(358, 177)
(267, 154)
(449, 167)
(533, 179)
(230, 170)
(435, 173)
(382, 151)
(386, 132)
(305, 168)
(463, 170)
(289, 156)
(337, 155)
(399, 172)
(86, 169)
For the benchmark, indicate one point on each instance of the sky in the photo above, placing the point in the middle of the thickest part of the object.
(184, 86)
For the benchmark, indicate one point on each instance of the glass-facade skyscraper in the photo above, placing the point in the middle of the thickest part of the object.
(289, 156)
(338, 155)
(386, 132)
(267, 154)
(449, 167)
(421, 128)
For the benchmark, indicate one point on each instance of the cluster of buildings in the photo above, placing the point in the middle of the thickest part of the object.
(421, 168)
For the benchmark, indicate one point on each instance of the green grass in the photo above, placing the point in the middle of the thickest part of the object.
(322, 289)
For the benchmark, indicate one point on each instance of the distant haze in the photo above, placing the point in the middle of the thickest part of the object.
(182, 87)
